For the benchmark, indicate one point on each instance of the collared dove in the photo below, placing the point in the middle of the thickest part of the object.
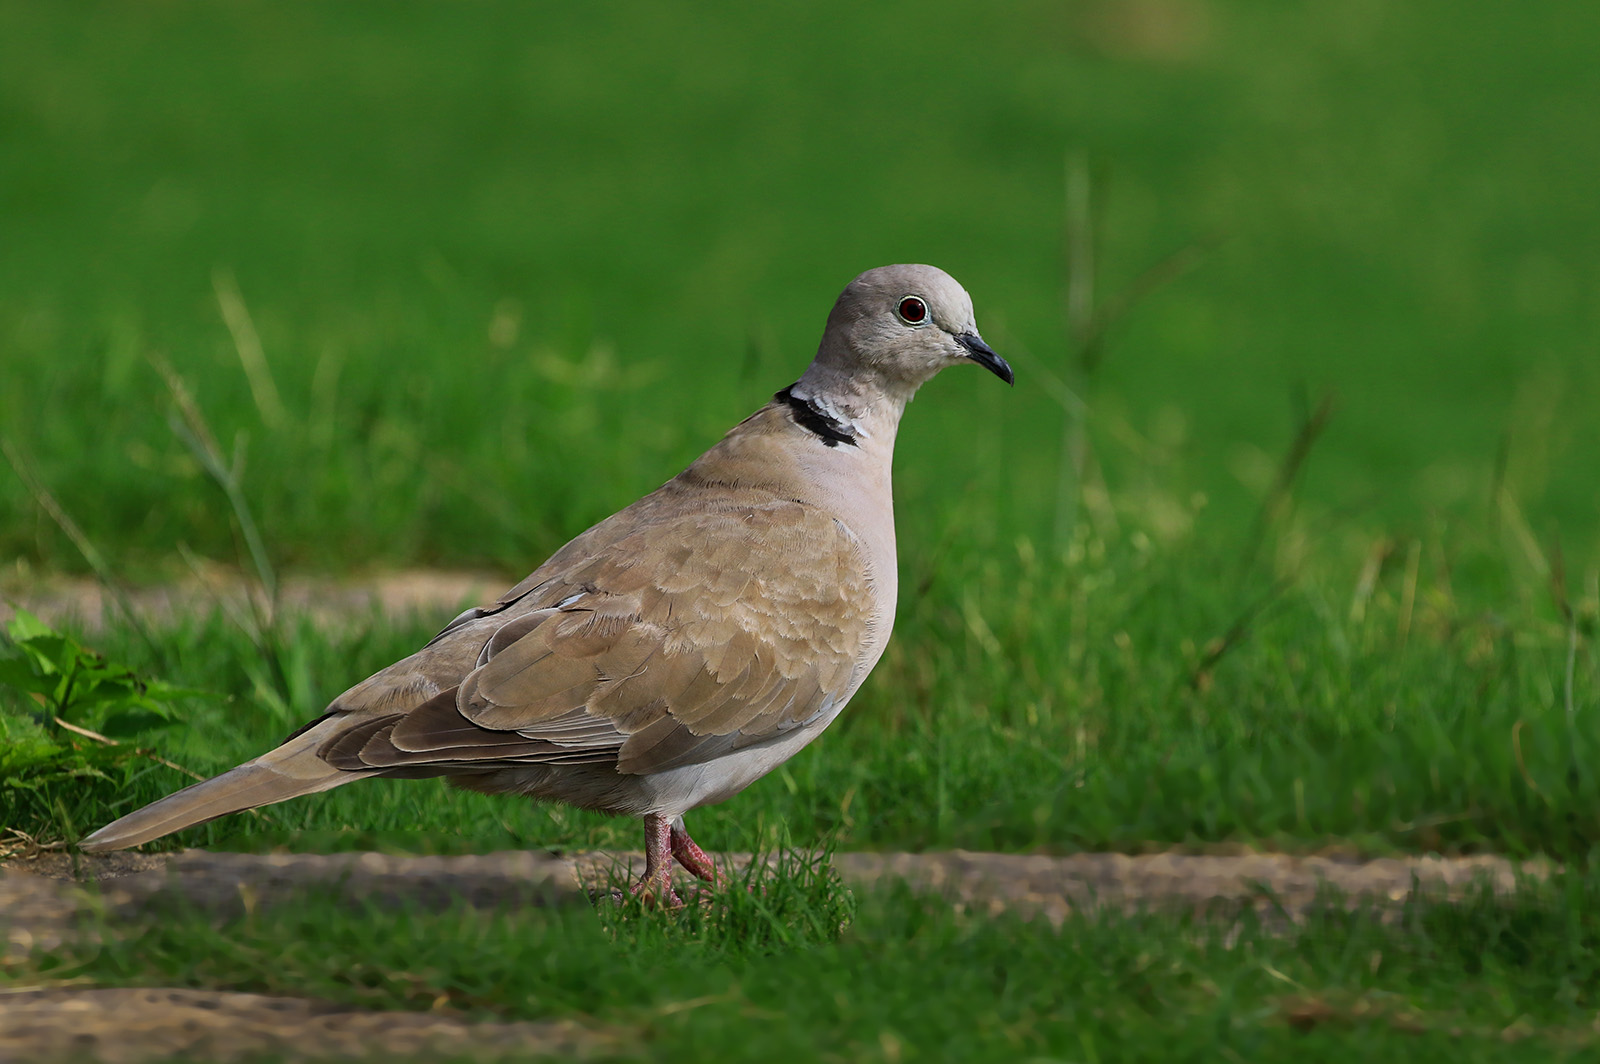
(680, 649)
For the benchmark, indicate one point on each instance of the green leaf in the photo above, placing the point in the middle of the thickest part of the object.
(25, 626)
(52, 655)
(16, 672)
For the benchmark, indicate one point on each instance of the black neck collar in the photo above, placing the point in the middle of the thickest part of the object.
(831, 431)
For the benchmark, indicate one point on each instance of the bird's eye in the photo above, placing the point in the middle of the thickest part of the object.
(913, 311)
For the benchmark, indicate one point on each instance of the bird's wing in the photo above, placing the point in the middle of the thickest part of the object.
(690, 635)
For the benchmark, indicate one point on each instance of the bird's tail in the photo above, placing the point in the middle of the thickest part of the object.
(289, 771)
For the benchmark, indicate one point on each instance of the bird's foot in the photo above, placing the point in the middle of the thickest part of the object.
(655, 896)
(654, 888)
(688, 854)
(667, 842)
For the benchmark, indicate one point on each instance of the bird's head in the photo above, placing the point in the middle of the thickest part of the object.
(902, 324)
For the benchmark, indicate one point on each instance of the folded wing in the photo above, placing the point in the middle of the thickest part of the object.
(690, 637)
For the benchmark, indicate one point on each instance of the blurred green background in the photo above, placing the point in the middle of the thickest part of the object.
(513, 264)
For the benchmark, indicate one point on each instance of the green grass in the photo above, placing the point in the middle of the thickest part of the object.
(803, 972)
(1312, 730)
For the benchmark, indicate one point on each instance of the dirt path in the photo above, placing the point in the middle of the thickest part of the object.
(41, 903)
(130, 1026)
(431, 593)
(41, 899)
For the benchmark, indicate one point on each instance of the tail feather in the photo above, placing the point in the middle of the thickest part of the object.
(289, 771)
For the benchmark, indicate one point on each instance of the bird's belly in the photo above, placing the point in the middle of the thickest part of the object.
(679, 790)
(672, 792)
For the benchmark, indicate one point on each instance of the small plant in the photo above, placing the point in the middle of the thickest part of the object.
(68, 724)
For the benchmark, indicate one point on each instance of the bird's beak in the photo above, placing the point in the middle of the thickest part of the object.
(984, 355)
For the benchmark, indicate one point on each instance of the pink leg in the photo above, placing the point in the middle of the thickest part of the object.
(691, 856)
(655, 886)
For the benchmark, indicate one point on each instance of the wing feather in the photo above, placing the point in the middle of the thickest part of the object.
(692, 637)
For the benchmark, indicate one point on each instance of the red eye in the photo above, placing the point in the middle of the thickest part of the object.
(913, 311)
